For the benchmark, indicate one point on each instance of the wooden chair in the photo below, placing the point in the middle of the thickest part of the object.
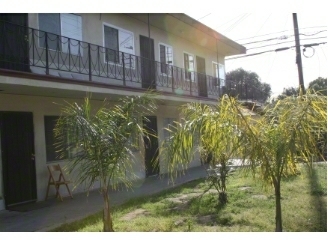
(56, 171)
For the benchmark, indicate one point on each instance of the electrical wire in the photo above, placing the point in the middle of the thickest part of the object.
(204, 16)
(281, 32)
(275, 50)
(236, 23)
(282, 37)
(283, 43)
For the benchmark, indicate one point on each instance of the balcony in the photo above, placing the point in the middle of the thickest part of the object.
(31, 50)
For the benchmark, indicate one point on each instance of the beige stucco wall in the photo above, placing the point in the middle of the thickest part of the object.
(41, 106)
(92, 32)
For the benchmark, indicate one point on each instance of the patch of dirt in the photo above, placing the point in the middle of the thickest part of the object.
(179, 222)
(245, 188)
(206, 219)
(183, 198)
(261, 197)
(134, 214)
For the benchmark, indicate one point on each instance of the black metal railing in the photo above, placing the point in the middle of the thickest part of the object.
(28, 49)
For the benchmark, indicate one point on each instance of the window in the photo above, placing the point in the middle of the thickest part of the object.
(218, 72)
(168, 123)
(49, 125)
(189, 64)
(116, 41)
(69, 26)
(166, 58)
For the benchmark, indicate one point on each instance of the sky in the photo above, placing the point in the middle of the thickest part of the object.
(278, 69)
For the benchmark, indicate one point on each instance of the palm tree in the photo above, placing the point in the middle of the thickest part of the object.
(287, 133)
(270, 145)
(210, 131)
(100, 142)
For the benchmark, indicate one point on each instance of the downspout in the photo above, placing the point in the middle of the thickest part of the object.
(149, 43)
(217, 61)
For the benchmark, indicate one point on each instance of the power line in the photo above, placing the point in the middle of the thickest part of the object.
(283, 43)
(283, 37)
(203, 16)
(237, 22)
(280, 32)
(275, 50)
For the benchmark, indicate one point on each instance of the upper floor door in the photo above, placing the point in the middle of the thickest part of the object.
(201, 77)
(14, 47)
(148, 64)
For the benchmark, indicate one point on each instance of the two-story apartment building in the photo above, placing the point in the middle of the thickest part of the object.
(46, 59)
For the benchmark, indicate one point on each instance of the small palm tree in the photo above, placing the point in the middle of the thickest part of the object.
(100, 142)
(270, 145)
(209, 130)
(285, 134)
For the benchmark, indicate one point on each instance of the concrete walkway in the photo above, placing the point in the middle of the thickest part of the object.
(57, 213)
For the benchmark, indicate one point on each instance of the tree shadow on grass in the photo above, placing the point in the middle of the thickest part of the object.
(318, 191)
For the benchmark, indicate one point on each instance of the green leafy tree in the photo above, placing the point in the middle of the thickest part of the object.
(270, 145)
(285, 134)
(101, 141)
(209, 131)
(287, 92)
(319, 85)
(246, 85)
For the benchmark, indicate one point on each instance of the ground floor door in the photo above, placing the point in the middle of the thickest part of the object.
(151, 146)
(201, 77)
(17, 152)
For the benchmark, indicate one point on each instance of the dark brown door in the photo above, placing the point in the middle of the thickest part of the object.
(14, 48)
(17, 151)
(147, 62)
(151, 146)
(201, 77)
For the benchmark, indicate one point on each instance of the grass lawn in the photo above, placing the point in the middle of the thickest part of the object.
(251, 207)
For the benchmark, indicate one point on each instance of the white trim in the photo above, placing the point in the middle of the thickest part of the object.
(159, 57)
(60, 35)
(184, 66)
(119, 29)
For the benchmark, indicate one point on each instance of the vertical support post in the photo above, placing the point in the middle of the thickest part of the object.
(47, 55)
(123, 63)
(69, 54)
(298, 55)
(33, 46)
(89, 57)
(172, 78)
(190, 82)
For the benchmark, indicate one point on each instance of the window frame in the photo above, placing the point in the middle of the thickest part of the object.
(119, 63)
(46, 131)
(192, 73)
(60, 35)
(159, 58)
(218, 72)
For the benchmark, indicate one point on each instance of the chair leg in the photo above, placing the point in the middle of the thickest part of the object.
(69, 191)
(57, 192)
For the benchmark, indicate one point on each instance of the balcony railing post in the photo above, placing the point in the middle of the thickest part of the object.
(172, 78)
(47, 55)
(89, 57)
(123, 63)
(69, 54)
(32, 46)
(190, 82)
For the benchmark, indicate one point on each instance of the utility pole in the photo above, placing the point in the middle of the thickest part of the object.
(298, 55)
